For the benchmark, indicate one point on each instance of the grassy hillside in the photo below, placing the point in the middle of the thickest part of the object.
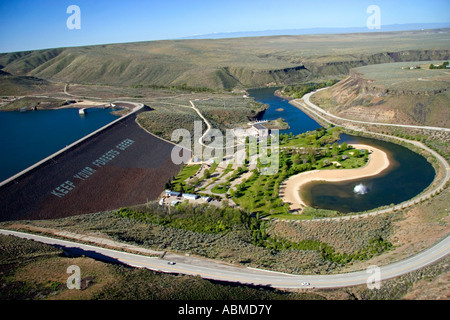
(392, 93)
(30, 102)
(11, 85)
(225, 63)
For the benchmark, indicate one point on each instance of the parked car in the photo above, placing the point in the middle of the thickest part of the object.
(306, 283)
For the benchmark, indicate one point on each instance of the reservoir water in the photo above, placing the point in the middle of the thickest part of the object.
(28, 137)
(298, 121)
(408, 174)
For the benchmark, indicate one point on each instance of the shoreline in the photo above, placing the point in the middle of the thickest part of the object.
(378, 162)
(83, 104)
(120, 110)
(278, 94)
(138, 106)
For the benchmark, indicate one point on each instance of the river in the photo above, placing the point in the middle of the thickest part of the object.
(408, 174)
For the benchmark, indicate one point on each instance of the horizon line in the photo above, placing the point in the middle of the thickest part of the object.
(326, 28)
(277, 32)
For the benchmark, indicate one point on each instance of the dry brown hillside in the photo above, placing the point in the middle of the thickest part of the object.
(224, 63)
(391, 93)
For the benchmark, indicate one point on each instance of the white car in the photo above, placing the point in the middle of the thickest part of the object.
(171, 262)
(306, 283)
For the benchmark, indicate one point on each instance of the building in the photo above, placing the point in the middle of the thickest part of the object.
(206, 198)
(170, 193)
(256, 130)
(188, 196)
(261, 131)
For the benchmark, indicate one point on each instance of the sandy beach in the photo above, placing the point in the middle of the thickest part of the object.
(85, 104)
(378, 161)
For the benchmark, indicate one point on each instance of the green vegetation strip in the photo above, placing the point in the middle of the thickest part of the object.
(179, 183)
(214, 220)
(298, 91)
(203, 219)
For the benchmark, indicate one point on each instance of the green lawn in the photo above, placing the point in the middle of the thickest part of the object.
(227, 170)
(220, 188)
(184, 174)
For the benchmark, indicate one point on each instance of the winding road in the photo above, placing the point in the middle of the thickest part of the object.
(215, 270)
(306, 99)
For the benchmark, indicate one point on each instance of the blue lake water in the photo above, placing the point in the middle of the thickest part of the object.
(298, 121)
(408, 175)
(28, 137)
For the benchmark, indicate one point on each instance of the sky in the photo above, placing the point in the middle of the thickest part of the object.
(41, 24)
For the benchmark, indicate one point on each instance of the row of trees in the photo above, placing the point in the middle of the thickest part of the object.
(298, 91)
(202, 218)
(442, 66)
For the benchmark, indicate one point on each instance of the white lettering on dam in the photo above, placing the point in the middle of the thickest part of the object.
(63, 189)
(85, 173)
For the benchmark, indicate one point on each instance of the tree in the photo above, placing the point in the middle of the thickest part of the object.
(181, 188)
(207, 174)
(168, 185)
(194, 181)
(335, 149)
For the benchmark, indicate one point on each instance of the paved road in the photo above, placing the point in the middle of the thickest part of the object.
(209, 269)
(307, 97)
